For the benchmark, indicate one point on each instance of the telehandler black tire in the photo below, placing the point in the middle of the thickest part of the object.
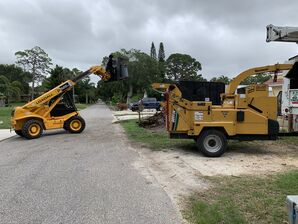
(75, 124)
(212, 143)
(19, 132)
(32, 129)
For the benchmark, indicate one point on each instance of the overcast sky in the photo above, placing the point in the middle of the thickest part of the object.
(226, 36)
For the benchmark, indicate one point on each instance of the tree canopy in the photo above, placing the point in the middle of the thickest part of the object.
(224, 79)
(256, 79)
(34, 68)
(15, 73)
(161, 53)
(153, 51)
(183, 67)
(36, 61)
(58, 74)
(10, 89)
(143, 70)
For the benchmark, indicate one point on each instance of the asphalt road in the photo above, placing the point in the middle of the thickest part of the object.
(78, 178)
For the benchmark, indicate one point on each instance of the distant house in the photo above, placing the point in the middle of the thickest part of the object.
(275, 86)
(275, 89)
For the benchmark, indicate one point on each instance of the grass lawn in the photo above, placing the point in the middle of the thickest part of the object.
(153, 140)
(288, 140)
(161, 140)
(5, 117)
(81, 106)
(245, 199)
(232, 200)
(5, 113)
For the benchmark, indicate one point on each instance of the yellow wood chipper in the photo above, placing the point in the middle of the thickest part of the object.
(210, 114)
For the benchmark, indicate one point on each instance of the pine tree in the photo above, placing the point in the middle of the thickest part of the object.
(37, 62)
(161, 53)
(153, 51)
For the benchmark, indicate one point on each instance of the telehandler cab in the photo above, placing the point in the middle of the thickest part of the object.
(56, 109)
(209, 114)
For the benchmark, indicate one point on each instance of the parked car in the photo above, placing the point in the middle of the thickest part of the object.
(145, 103)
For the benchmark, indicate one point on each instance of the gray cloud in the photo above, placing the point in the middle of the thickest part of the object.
(227, 37)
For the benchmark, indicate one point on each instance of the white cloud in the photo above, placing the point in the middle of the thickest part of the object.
(227, 37)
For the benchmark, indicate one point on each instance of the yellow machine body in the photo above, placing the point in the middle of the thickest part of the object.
(190, 117)
(55, 108)
(246, 116)
(40, 109)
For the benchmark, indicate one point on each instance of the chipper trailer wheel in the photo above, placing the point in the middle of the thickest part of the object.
(212, 143)
(75, 124)
(32, 129)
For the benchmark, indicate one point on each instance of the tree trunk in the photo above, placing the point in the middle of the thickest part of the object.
(6, 100)
(145, 94)
(33, 82)
(32, 90)
(73, 94)
(129, 94)
(86, 98)
(139, 113)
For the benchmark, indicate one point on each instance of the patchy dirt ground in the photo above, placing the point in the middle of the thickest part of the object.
(182, 172)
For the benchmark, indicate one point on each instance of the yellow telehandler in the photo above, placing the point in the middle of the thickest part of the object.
(210, 114)
(56, 109)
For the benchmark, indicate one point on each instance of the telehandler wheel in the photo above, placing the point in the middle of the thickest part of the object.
(212, 143)
(32, 129)
(19, 132)
(75, 124)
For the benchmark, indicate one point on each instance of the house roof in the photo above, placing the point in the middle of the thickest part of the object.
(279, 81)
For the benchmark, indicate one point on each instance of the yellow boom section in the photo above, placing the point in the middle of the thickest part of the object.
(269, 68)
(100, 71)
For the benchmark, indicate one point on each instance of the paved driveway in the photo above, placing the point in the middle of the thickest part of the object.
(83, 178)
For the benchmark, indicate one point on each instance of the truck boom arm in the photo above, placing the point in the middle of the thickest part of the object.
(284, 34)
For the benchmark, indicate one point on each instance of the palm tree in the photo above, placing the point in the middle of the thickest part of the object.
(11, 90)
(87, 89)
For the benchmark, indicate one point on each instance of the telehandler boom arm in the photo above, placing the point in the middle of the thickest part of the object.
(67, 85)
(97, 70)
(110, 72)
